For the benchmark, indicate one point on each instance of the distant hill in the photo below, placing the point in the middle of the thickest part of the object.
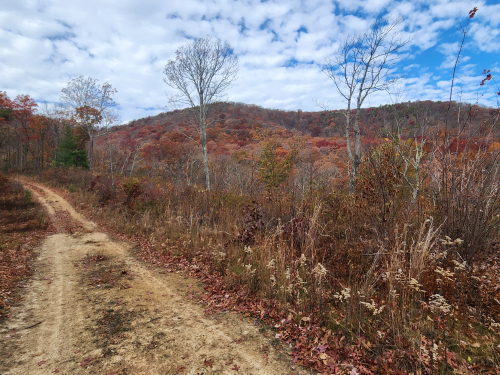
(168, 140)
(237, 122)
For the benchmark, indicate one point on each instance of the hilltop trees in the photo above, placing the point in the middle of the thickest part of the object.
(201, 73)
(5, 115)
(88, 102)
(363, 65)
(22, 132)
(31, 137)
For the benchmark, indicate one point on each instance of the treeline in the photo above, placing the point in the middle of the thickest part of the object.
(34, 137)
(238, 119)
(166, 145)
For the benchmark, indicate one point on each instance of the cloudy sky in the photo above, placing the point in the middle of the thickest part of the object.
(280, 46)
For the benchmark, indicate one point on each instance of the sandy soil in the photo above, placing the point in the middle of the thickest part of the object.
(93, 308)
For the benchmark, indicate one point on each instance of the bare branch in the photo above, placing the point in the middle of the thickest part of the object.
(201, 74)
(363, 65)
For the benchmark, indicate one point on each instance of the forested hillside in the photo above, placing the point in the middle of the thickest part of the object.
(167, 144)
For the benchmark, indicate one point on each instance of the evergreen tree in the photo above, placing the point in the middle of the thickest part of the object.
(68, 154)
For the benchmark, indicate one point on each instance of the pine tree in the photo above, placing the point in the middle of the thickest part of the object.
(68, 154)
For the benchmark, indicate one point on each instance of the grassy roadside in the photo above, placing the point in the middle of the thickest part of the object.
(401, 329)
(23, 225)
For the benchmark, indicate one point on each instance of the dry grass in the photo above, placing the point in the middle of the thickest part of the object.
(376, 267)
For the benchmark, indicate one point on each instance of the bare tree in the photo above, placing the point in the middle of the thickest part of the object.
(201, 73)
(109, 120)
(88, 101)
(416, 144)
(54, 114)
(363, 65)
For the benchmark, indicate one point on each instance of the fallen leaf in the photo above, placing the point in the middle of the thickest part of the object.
(180, 369)
(41, 363)
(185, 355)
(476, 345)
(56, 371)
(208, 362)
(322, 348)
(306, 319)
(86, 362)
(235, 367)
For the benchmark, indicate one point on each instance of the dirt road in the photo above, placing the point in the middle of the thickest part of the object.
(93, 308)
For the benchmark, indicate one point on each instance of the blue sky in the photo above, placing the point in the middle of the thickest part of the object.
(280, 46)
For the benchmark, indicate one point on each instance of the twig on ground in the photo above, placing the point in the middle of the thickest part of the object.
(34, 325)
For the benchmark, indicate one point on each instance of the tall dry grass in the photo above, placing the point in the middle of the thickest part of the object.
(378, 266)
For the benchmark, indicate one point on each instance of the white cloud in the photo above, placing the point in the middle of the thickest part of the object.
(486, 38)
(45, 43)
(409, 67)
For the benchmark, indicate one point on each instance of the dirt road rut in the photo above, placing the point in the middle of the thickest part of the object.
(93, 308)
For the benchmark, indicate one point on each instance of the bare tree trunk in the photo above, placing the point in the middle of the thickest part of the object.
(111, 164)
(133, 164)
(42, 155)
(205, 160)
(91, 150)
(124, 163)
(356, 160)
(21, 156)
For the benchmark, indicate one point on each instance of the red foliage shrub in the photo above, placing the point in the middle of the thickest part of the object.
(325, 143)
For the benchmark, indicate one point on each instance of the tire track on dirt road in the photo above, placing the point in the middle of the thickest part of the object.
(93, 308)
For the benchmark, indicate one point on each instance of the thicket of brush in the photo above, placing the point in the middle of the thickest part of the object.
(414, 275)
(19, 212)
(22, 223)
